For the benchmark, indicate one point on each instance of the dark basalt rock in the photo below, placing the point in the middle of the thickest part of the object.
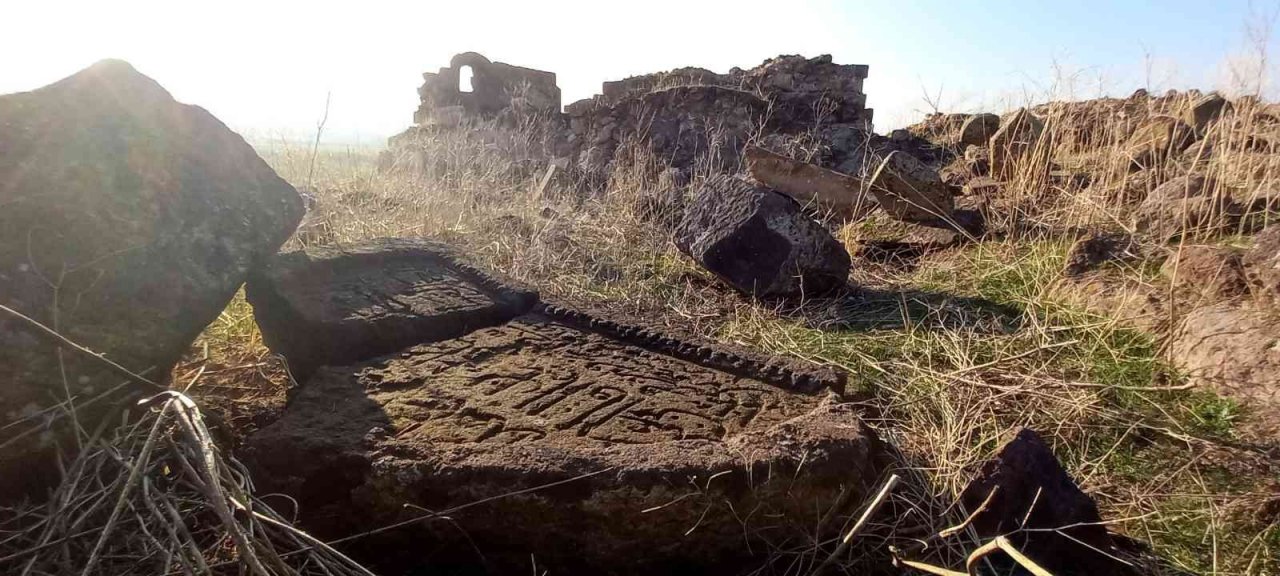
(344, 304)
(128, 220)
(759, 241)
(1037, 504)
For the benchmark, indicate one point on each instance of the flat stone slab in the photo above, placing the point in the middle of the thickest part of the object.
(675, 453)
(338, 305)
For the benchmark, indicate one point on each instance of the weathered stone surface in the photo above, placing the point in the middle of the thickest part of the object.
(1157, 140)
(1017, 137)
(1205, 110)
(127, 222)
(680, 436)
(759, 242)
(1205, 273)
(910, 191)
(978, 129)
(842, 194)
(495, 87)
(1029, 490)
(1186, 206)
(1235, 351)
(1096, 249)
(1262, 261)
(339, 305)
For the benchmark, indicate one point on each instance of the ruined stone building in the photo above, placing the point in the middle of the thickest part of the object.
(682, 116)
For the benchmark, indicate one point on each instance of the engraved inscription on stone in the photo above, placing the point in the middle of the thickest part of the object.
(407, 289)
(538, 380)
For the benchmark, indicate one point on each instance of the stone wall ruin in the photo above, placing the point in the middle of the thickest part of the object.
(495, 86)
(680, 116)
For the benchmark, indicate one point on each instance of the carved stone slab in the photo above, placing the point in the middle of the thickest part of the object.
(345, 304)
(685, 449)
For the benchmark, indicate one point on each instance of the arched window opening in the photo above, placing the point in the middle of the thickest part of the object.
(464, 79)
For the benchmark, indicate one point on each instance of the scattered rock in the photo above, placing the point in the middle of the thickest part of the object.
(339, 305)
(829, 190)
(1017, 137)
(1029, 490)
(1186, 206)
(1160, 138)
(759, 242)
(1205, 110)
(1091, 252)
(961, 227)
(910, 191)
(978, 129)
(1236, 352)
(661, 444)
(1262, 261)
(147, 215)
(1206, 273)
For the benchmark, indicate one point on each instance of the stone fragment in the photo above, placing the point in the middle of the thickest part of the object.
(842, 194)
(127, 222)
(1023, 492)
(1234, 351)
(910, 191)
(649, 449)
(1205, 110)
(1098, 248)
(978, 129)
(1010, 146)
(1159, 139)
(1262, 261)
(339, 305)
(759, 241)
(1186, 206)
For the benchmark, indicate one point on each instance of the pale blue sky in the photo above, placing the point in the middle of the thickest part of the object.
(265, 66)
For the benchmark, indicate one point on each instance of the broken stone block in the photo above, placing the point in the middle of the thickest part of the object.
(602, 448)
(842, 194)
(759, 241)
(1191, 206)
(342, 304)
(1161, 138)
(910, 191)
(1023, 492)
(978, 129)
(1009, 146)
(128, 220)
(1204, 111)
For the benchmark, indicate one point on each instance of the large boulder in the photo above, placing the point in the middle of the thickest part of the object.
(1190, 206)
(128, 222)
(342, 304)
(842, 194)
(910, 191)
(759, 241)
(1017, 137)
(594, 447)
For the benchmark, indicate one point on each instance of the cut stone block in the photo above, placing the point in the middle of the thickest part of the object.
(333, 306)
(671, 453)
